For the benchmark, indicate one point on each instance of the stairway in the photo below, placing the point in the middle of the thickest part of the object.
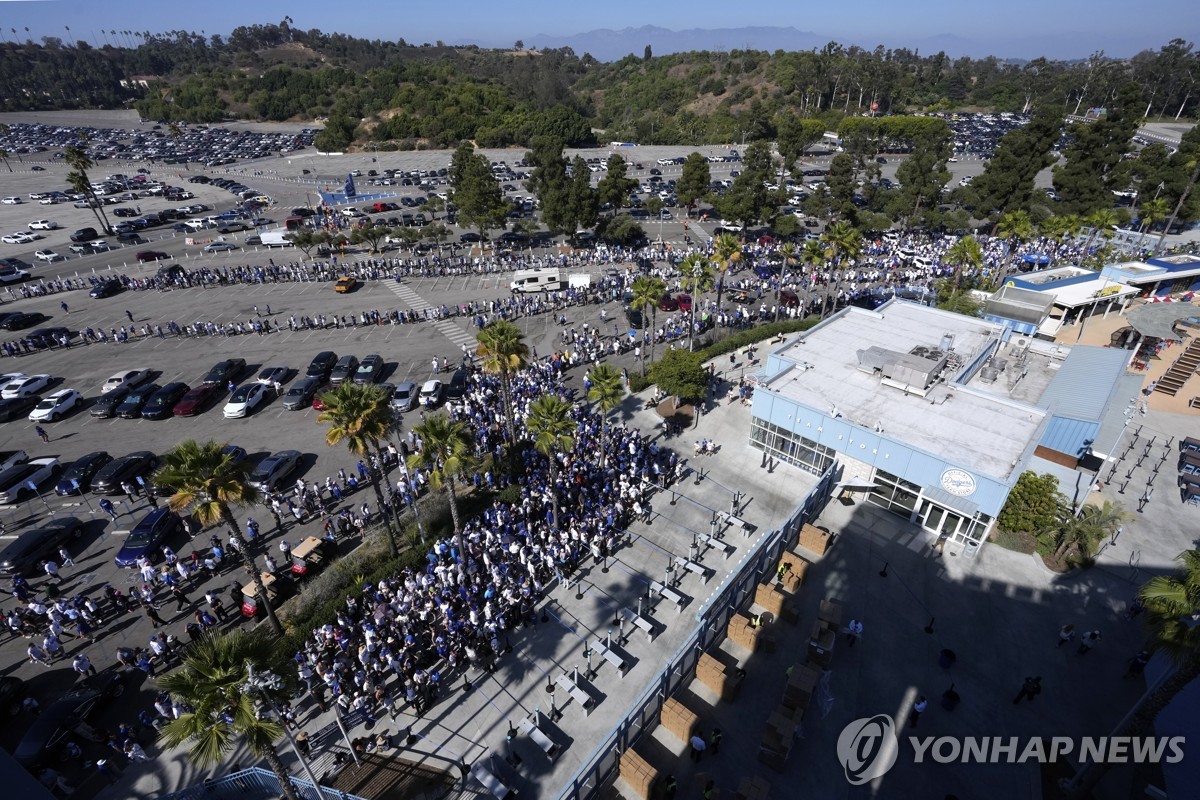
(1184, 367)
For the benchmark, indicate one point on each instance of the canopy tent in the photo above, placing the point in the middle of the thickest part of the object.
(1159, 320)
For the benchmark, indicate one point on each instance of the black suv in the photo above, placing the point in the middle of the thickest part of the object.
(322, 365)
(84, 235)
(24, 555)
(225, 371)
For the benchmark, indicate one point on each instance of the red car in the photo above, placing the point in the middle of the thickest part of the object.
(197, 400)
(318, 403)
(668, 303)
(684, 301)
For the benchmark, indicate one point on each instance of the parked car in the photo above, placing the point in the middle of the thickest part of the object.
(15, 481)
(668, 303)
(54, 407)
(345, 284)
(12, 694)
(269, 376)
(162, 403)
(18, 407)
(431, 393)
(23, 319)
(245, 399)
(25, 554)
(404, 397)
(124, 469)
(24, 387)
(84, 235)
(344, 370)
(219, 247)
(273, 470)
(322, 366)
(197, 400)
(128, 378)
(148, 537)
(225, 371)
(106, 404)
(144, 256)
(77, 478)
(106, 289)
(131, 406)
(301, 393)
(370, 370)
(60, 719)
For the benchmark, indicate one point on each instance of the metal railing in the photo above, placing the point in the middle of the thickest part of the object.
(254, 784)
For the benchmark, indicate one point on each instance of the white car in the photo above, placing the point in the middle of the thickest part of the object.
(43, 225)
(431, 393)
(122, 379)
(23, 387)
(245, 399)
(52, 201)
(48, 255)
(20, 237)
(53, 406)
(11, 201)
(219, 247)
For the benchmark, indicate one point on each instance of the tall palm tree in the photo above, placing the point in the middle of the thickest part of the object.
(841, 240)
(966, 253)
(78, 160)
(1016, 228)
(1152, 212)
(1102, 221)
(208, 482)
(790, 255)
(360, 417)
(1172, 605)
(607, 391)
(448, 452)
(1083, 531)
(1059, 228)
(646, 292)
(212, 680)
(727, 251)
(552, 427)
(814, 255)
(503, 351)
(696, 275)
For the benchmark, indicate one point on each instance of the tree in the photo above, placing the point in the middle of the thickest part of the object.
(503, 351)
(683, 375)
(840, 241)
(647, 54)
(1082, 532)
(79, 162)
(1032, 505)
(1015, 228)
(306, 240)
(206, 481)
(696, 277)
(748, 200)
(726, 251)
(694, 182)
(788, 252)
(607, 390)
(582, 204)
(654, 207)
(1059, 228)
(370, 234)
(615, 187)
(1102, 221)
(447, 452)
(923, 174)
(1094, 156)
(550, 423)
(474, 192)
(213, 681)
(359, 416)
(794, 136)
(549, 183)
(646, 292)
(1152, 212)
(1007, 182)
(966, 253)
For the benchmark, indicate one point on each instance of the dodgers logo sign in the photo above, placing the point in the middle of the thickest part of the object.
(958, 482)
(867, 748)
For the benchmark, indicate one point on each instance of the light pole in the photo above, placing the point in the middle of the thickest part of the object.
(408, 481)
(262, 682)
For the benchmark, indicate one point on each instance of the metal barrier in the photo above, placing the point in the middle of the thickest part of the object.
(603, 763)
(253, 784)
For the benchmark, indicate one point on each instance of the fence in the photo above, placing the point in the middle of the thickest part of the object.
(601, 766)
(254, 784)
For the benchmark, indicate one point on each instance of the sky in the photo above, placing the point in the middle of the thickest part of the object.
(1006, 28)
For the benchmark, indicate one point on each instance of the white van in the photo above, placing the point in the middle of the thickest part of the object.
(537, 280)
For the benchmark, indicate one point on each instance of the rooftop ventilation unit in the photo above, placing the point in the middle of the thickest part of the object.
(989, 374)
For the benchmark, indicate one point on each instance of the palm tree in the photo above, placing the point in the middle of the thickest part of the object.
(79, 162)
(965, 253)
(647, 291)
(696, 276)
(841, 240)
(790, 254)
(813, 254)
(448, 451)
(207, 482)
(727, 251)
(1015, 227)
(1172, 605)
(1102, 221)
(213, 680)
(552, 427)
(1083, 531)
(1152, 211)
(361, 417)
(503, 352)
(1059, 227)
(607, 391)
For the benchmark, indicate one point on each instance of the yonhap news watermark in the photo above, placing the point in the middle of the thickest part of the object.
(868, 747)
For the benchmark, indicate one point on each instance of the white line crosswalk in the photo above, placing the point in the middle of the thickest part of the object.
(446, 327)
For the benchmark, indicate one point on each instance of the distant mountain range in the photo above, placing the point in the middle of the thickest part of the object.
(606, 44)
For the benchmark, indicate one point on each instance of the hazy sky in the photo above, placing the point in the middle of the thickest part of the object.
(1020, 28)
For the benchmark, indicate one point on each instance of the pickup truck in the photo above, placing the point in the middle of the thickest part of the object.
(10, 458)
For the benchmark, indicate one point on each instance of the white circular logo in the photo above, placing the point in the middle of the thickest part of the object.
(955, 481)
(867, 748)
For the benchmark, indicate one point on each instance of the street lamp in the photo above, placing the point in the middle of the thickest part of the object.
(262, 683)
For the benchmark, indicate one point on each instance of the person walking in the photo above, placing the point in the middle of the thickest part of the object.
(37, 654)
(83, 665)
(65, 557)
(63, 306)
(107, 507)
(1137, 665)
(129, 314)
(1087, 642)
(52, 571)
(1065, 634)
(670, 788)
(698, 746)
(41, 434)
(918, 708)
(182, 600)
(714, 740)
(854, 629)
(153, 616)
(1031, 689)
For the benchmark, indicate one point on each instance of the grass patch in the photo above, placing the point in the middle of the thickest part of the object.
(1018, 542)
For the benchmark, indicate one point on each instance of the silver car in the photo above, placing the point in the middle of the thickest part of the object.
(404, 398)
